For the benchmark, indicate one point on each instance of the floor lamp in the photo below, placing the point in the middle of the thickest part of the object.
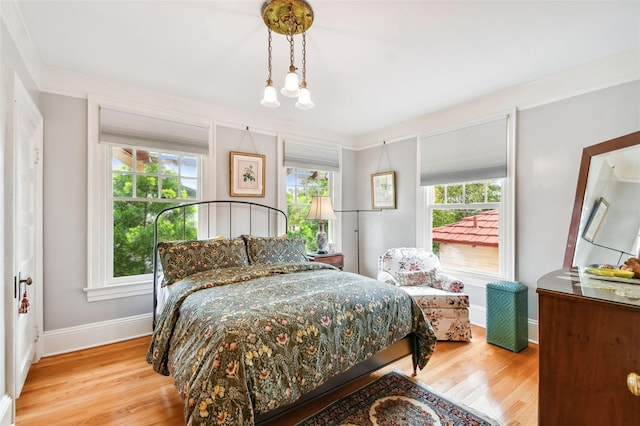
(357, 230)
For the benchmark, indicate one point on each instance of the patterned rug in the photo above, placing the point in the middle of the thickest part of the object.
(395, 399)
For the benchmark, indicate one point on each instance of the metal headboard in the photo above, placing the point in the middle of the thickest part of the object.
(220, 217)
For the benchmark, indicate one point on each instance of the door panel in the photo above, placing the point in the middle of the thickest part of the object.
(24, 234)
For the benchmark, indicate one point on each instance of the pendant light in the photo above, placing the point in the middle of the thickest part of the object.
(290, 18)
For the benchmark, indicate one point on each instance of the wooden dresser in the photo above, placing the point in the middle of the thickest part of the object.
(335, 259)
(589, 344)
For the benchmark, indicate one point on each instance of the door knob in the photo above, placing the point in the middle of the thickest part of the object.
(27, 281)
(633, 383)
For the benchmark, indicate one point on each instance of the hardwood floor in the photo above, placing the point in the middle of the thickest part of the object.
(113, 385)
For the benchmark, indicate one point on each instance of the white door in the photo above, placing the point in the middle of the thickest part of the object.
(23, 242)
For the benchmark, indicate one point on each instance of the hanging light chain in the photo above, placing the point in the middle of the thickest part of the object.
(269, 55)
(304, 58)
(292, 22)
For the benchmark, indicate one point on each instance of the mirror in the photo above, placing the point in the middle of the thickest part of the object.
(605, 224)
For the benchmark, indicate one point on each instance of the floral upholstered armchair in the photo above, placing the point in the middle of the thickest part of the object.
(440, 296)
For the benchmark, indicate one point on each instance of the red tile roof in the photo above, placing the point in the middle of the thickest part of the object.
(481, 229)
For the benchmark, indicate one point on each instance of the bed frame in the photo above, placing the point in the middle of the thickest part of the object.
(234, 218)
(219, 217)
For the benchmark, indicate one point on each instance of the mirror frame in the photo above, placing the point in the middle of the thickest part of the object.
(587, 153)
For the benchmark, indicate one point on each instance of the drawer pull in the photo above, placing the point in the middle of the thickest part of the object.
(633, 383)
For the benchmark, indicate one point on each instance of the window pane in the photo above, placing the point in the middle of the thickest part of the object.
(189, 188)
(300, 227)
(189, 167)
(454, 194)
(146, 187)
(170, 187)
(439, 194)
(145, 163)
(121, 159)
(494, 191)
(122, 185)
(467, 239)
(474, 193)
(169, 164)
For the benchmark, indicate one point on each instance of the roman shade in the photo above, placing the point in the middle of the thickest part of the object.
(477, 152)
(314, 157)
(127, 128)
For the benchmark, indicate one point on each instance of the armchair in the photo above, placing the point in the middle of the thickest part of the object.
(440, 296)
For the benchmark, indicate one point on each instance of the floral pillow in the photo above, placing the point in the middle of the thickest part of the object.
(180, 259)
(415, 278)
(267, 250)
(432, 278)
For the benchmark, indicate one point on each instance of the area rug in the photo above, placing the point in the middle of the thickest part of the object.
(395, 399)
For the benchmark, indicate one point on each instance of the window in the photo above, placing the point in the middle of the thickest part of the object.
(140, 161)
(465, 225)
(309, 168)
(143, 183)
(302, 185)
(467, 193)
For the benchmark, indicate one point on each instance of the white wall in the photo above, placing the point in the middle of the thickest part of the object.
(550, 143)
(550, 139)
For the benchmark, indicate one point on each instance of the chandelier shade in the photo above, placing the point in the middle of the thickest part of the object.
(270, 98)
(289, 18)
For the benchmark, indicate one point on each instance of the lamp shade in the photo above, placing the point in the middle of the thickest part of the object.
(321, 209)
(304, 99)
(291, 85)
(270, 98)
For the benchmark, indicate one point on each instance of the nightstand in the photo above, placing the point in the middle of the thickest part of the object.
(335, 259)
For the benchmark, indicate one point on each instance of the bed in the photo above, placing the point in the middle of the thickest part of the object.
(249, 328)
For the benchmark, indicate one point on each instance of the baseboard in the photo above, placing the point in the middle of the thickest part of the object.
(478, 316)
(96, 334)
(6, 410)
(102, 333)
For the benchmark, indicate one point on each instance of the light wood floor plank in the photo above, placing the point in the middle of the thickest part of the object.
(113, 385)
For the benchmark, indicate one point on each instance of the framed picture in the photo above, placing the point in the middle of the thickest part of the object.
(383, 190)
(247, 173)
(595, 221)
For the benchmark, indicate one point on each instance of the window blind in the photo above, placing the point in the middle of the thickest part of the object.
(312, 157)
(127, 128)
(477, 152)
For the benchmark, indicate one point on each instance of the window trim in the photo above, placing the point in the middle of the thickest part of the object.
(101, 286)
(507, 211)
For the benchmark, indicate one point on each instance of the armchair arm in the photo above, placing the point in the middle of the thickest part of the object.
(386, 277)
(448, 283)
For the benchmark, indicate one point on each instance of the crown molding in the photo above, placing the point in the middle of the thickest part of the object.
(16, 27)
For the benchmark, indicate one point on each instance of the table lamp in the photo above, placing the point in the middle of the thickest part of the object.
(321, 210)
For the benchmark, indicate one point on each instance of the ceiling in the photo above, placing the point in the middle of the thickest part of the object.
(370, 64)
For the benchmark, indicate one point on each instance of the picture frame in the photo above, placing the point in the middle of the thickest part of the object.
(246, 174)
(596, 219)
(383, 190)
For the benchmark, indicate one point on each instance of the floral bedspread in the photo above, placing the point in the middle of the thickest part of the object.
(242, 341)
